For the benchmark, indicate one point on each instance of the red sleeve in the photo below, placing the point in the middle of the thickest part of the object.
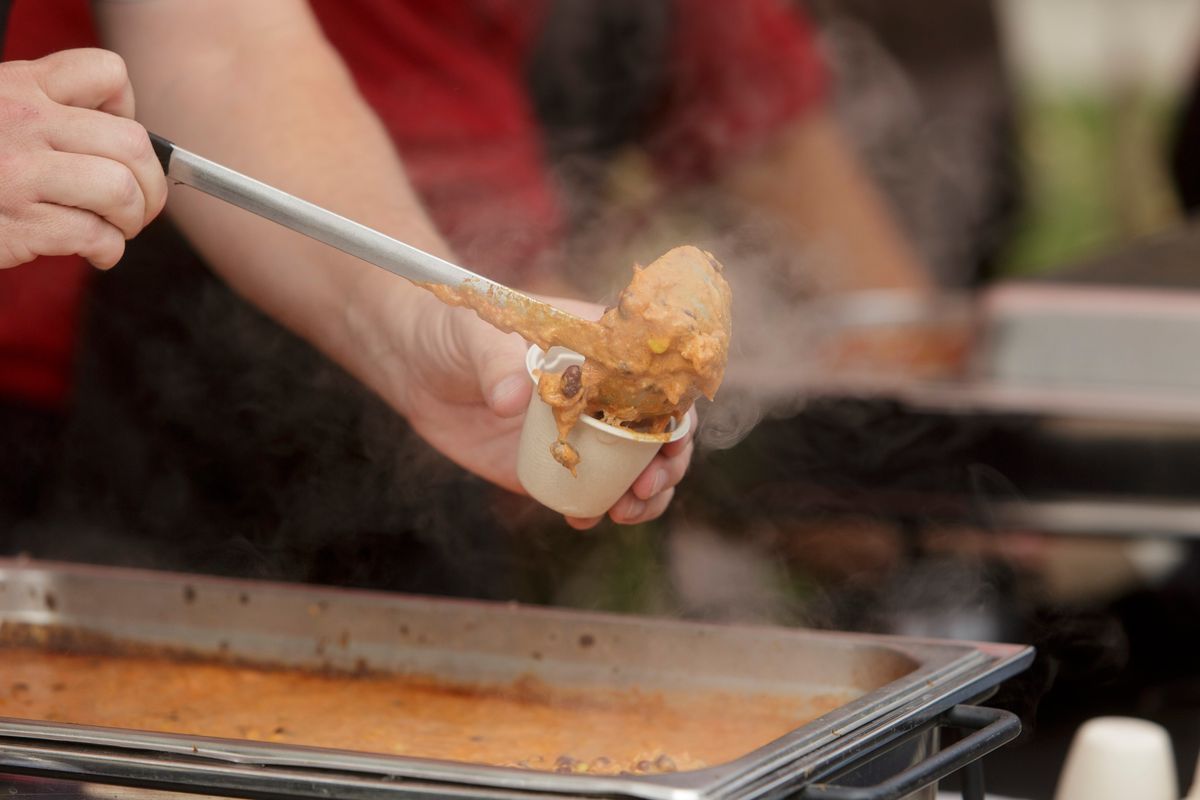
(738, 72)
(40, 27)
(40, 302)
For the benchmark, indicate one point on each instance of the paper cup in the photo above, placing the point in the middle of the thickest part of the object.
(610, 458)
(1117, 758)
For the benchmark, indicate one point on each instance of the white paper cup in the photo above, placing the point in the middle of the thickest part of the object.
(1118, 758)
(610, 458)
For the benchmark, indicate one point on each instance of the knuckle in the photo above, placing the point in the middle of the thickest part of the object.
(114, 256)
(111, 65)
(93, 232)
(132, 141)
(123, 187)
(105, 245)
(160, 187)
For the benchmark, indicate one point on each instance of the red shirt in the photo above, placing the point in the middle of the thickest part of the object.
(448, 80)
(39, 302)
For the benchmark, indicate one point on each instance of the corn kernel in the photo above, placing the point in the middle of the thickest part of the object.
(658, 346)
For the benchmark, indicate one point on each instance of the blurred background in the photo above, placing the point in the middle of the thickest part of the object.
(1010, 455)
(1041, 153)
(1101, 88)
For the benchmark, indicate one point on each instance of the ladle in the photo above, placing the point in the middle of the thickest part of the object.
(183, 166)
(690, 287)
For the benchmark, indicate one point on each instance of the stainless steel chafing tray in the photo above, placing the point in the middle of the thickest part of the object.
(899, 685)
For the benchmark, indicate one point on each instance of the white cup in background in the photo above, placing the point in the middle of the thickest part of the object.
(1119, 758)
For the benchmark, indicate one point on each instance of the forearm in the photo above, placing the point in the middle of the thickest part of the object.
(818, 194)
(260, 90)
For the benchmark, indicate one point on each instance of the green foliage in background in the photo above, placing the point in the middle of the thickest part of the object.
(1095, 176)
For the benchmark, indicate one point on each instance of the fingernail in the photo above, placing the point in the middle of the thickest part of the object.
(659, 483)
(634, 509)
(506, 389)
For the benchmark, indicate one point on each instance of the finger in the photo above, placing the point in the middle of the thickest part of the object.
(509, 395)
(87, 78)
(105, 187)
(672, 449)
(583, 523)
(631, 510)
(117, 139)
(662, 473)
(499, 361)
(56, 230)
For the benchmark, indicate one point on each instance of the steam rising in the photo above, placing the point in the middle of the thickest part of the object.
(208, 438)
(932, 116)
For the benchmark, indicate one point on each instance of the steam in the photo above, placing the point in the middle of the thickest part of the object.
(209, 438)
(934, 148)
(205, 437)
(942, 149)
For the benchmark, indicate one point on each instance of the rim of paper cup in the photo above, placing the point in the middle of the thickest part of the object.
(535, 353)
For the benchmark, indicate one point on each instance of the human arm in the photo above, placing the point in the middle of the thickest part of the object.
(256, 86)
(810, 184)
(746, 108)
(77, 174)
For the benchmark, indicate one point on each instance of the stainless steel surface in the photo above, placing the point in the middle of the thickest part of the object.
(1062, 351)
(333, 229)
(21, 788)
(969, 396)
(897, 682)
(1103, 340)
(1101, 518)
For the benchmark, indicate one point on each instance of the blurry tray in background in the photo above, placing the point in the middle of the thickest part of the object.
(1043, 349)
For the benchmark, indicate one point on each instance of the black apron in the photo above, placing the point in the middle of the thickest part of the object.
(5, 7)
(205, 437)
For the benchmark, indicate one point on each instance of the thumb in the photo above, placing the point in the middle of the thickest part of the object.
(503, 377)
(508, 394)
(503, 380)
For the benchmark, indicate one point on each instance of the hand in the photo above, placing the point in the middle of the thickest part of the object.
(77, 174)
(466, 391)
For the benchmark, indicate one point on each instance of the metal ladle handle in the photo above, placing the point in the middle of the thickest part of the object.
(362, 242)
(304, 217)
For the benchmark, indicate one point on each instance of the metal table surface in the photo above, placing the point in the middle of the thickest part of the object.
(1073, 460)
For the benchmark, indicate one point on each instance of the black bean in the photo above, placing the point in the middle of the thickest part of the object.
(572, 380)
